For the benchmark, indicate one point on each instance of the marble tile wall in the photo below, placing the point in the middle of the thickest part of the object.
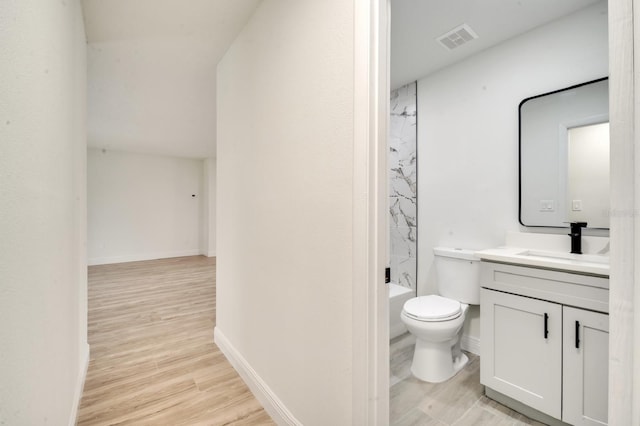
(403, 186)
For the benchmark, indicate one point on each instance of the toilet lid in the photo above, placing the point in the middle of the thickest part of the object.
(432, 308)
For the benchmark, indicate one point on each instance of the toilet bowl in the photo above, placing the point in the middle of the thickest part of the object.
(437, 356)
(436, 321)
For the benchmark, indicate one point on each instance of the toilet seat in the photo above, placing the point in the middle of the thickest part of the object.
(432, 308)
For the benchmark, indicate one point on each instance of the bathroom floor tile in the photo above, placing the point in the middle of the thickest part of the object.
(479, 416)
(400, 367)
(406, 396)
(452, 399)
(459, 401)
(495, 407)
(417, 417)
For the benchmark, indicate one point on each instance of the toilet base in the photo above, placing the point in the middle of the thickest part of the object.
(437, 362)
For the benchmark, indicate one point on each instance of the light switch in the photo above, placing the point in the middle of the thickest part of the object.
(576, 205)
(547, 206)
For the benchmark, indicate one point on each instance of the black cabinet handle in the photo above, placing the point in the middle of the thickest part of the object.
(546, 325)
(577, 335)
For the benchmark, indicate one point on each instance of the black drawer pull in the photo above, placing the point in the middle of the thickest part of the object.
(577, 335)
(546, 325)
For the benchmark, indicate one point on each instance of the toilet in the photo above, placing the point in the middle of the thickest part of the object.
(436, 320)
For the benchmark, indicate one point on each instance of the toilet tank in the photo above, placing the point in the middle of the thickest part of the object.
(458, 274)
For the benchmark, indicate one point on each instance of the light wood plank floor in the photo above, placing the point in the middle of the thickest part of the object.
(153, 360)
(459, 401)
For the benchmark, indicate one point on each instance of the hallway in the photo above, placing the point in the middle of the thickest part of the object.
(153, 360)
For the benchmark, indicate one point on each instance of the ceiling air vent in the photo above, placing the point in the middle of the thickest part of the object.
(457, 37)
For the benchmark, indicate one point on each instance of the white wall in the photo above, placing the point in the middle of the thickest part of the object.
(153, 96)
(152, 72)
(208, 220)
(43, 315)
(141, 206)
(285, 182)
(468, 132)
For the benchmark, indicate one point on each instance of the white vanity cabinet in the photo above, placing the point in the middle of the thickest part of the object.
(521, 351)
(530, 352)
(585, 360)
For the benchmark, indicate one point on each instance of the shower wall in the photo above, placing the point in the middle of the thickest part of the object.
(403, 186)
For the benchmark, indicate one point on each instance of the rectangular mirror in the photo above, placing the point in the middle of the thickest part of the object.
(564, 157)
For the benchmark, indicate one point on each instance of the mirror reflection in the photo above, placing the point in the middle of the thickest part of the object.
(564, 157)
(588, 175)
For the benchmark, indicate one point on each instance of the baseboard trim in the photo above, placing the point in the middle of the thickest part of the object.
(82, 375)
(470, 344)
(139, 257)
(269, 400)
(518, 406)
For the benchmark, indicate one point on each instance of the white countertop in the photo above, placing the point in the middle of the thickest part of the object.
(582, 263)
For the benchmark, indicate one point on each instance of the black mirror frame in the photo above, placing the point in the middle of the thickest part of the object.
(520, 149)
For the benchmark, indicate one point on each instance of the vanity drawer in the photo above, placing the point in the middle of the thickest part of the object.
(582, 291)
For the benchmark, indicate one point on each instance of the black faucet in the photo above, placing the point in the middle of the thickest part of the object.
(576, 236)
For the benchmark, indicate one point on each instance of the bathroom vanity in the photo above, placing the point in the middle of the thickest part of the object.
(545, 332)
(544, 304)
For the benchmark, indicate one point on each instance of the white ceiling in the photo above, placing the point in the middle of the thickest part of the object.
(151, 70)
(217, 21)
(415, 25)
(152, 63)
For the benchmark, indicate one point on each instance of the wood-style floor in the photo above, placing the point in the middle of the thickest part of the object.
(459, 401)
(153, 360)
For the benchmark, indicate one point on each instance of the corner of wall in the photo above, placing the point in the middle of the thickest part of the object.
(470, 344)
(263, 393)
(82, 375)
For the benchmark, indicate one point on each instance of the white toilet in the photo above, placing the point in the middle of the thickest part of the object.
(436, 321)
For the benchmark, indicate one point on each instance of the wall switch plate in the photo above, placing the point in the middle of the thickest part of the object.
(547, 206)
(576, 205)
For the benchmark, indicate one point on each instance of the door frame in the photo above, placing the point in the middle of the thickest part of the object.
(624, 302)
(370, 325)
(370, 299)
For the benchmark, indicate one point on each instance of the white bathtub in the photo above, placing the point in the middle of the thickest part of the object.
(397, 296)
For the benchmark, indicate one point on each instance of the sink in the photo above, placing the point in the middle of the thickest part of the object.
(587, 258)
(594, 264)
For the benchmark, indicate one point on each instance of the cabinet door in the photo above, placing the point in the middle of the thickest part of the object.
(586, 367)
(521, 351)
